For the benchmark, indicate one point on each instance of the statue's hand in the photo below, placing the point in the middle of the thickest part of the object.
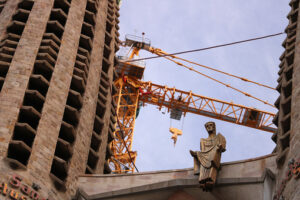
(221, 148)
(193, 153)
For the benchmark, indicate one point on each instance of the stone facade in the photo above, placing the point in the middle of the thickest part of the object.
(57, 114)
(251, 179)
(288, 104)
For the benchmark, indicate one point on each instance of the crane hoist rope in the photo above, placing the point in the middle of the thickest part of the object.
(146, 46)
(156, 51)
(227, 85)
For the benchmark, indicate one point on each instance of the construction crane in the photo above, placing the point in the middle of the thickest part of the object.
(134, 93)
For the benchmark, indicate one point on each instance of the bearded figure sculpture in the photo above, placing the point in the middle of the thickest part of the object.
(207, 161)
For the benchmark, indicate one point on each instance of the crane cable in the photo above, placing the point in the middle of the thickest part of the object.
(156, 51)
(227, 85)
(210, 47)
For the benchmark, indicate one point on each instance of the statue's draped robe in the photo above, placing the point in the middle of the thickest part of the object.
(208, 159)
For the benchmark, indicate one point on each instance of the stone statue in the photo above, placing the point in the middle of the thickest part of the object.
(207, 161)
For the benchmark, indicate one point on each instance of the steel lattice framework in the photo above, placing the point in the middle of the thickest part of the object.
(132, 91)
(188, 102)
(127, 102)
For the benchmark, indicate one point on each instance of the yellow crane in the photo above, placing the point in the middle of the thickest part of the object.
(133, 93)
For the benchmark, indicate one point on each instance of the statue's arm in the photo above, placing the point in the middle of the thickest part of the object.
(201, 145)
(221, 143)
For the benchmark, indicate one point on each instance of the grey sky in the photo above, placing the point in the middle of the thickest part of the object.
(174, 25)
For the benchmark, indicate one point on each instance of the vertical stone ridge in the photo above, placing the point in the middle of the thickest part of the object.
(104, 121)
(47, 89)
(19, 148)
(97, 137)
(71, 117)
(287, 118)
(9, 42)
(114, 11)
(49, 150)
(2, 4)
(47, 57)
(285, 85)
(84, 128)
(5, 15)
(30, 113)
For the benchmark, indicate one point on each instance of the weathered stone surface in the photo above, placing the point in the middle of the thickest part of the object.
(54, 70)
(246, 179)
(6, 14)
(288, 135)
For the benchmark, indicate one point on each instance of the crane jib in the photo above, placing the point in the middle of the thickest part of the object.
(236, 120)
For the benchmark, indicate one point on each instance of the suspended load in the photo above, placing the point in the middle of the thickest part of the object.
(175, 132)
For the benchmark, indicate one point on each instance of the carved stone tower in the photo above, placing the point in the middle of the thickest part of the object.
(288, 116)
(57, 116)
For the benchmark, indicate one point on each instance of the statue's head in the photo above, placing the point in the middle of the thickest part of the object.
(210, 127)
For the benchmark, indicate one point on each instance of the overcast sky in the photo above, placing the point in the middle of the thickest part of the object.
(177, 25)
